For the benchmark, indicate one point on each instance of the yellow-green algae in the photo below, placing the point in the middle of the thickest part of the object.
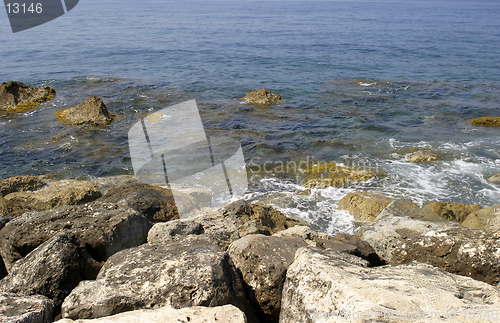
(21, 107)
(487, 122)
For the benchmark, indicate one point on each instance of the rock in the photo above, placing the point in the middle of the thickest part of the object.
(155, 203)
(262, 96)
(18, 97)
(57, 194)
(195, 314)
(105, 228)
(337, 286)
(326, 175)
(189, 272)
(255, 218)
(495, 179)
(93, 111)
(22, 184)
(463, 251)
(485, 219)
(487, 121)
(11, 209)
(422, 156)
(17, 308)
(221, 230)
(452, 211)
(364, 206)
(400, 218)
(53, 269)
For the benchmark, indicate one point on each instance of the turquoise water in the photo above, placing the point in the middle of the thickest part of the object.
(363, 82)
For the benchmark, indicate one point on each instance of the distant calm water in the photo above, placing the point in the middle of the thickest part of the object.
(364, 83)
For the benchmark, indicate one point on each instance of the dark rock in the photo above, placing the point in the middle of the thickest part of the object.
(18, 97)
(93, 111)
(57, 194)
(262, 96)
(22, 184)
(452, 211)
(104, 228)
(155, 203)
(17, 308)
(192, 271)
(11, 209)
(53, 269)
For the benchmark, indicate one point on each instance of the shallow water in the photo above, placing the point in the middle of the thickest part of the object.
(364, 83)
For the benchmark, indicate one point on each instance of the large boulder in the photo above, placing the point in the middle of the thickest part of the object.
(452, 211)
(487, 122)
(53, 269)
(485, 219)
(18, 97)
(18, 308)
(57, 194)
(22, 184)
(335, 286)
(195, 314)
(222, 230)
(364, 206)
(325, 175)
(104, 228)
(93, 111)
(192, 271)
(262, 96)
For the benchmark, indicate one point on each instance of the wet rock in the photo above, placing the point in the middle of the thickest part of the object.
(463, 251)
(189, 272)
(154, 202)
(22, 184)
(104, 228)
(495, 179)
(487, 122)
(485, 219)
(221, 230)
(261, 219)
(452, 211)
(262, 96)
(57, 194)
(11, 209)
(195, 314)
(93, 111)
(18, 97)
(338, 286)
(17, 308)
(53, 269)
(422, 156)
(326, 175)
(364, 206)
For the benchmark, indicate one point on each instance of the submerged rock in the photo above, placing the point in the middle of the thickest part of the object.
(495, 179)
(485, 219)
(18, 308)
(452, 211)
(364, 206)
(18, 97)
(192, 271)
(104, 228)
(53, 269)
(262, 96)
(487, 122)
(195, 314)
(22, 184)
(422, 156)
(326, 175)
(339, 287)
(57, 194)
(93, 111)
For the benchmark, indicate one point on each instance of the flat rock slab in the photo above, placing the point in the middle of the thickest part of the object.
(189, 272)
(336, 286)
(195, 314)
(17, 308)
(104, 228)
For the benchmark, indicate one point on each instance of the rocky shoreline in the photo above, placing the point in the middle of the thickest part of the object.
(117, 251)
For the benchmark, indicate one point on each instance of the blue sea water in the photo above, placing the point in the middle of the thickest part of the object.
(363, 82)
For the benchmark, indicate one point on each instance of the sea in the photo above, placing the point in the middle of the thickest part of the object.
(363, 83)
